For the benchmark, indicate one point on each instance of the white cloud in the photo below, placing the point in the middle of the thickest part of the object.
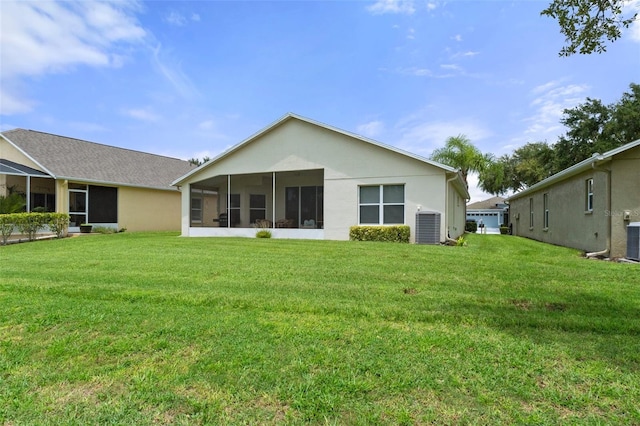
(381, 7)
(548, 103)
(411, 34)
(40, 37)
(206, 125)
(420, 135)
(452, 67)
(457, 37)
(172, 72)
(371, 129)
(195, 17)
(467, 54)
(631, 7)
(431, 6)
(142, 114)
(175, 18)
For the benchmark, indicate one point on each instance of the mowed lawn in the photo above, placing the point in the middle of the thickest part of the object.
(156, 329)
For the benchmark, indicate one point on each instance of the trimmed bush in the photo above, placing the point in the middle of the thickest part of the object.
(471, 226)
(30, 224)
(58, 223)
(263, 233)
(504, 230)
(394, 234)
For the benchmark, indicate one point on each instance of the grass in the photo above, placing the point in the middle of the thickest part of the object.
(155, 329)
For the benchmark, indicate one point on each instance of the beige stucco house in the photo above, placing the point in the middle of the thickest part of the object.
(587, 206)
(305, 179)
(97, 184)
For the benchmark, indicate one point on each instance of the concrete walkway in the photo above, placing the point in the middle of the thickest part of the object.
(489, 231)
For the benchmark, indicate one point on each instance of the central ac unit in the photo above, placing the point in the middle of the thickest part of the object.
(633, 241)
(427, 228)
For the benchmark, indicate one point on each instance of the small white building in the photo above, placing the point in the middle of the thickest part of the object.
(305, 179)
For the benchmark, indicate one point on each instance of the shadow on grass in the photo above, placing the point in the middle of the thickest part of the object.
(586, 326)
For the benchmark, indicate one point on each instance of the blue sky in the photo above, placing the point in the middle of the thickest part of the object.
(189, 79)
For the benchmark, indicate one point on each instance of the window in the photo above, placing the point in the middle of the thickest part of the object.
(589, 195)
(78, 201)
(257, 207)
(196, 206)
(545, 201)
(382, 204)
(530, 212)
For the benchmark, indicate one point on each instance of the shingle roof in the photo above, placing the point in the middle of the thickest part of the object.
(68, 158)
(491, 203)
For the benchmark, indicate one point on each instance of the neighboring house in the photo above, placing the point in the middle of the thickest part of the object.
(305, 179)
(587, 206)
(97, 184)
(493, 212)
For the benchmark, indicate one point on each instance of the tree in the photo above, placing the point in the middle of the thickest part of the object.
(596, 128)
(198, 162)
(461, 154)
(528, 165)
(587, 23)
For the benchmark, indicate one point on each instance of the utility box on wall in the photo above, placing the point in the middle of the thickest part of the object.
(427, 228)
(633, 241)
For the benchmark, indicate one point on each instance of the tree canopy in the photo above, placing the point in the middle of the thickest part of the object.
(592, 127)
(461, 154)
(588, 24)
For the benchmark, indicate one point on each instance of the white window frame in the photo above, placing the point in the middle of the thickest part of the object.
(545, 203)
(589, 195)
(381, 204)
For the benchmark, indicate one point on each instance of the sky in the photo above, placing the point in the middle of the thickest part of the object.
(190, 79)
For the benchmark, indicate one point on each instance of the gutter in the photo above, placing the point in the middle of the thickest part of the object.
(446, 208)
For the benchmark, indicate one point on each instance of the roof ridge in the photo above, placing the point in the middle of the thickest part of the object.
(95, 143)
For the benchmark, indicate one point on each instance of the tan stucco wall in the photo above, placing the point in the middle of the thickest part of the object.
(346, 163)
(148, 210)
(625, 196)
(569, 224)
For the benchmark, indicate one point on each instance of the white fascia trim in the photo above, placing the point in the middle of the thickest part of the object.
(291, 115)
(28, 156)
(575, 169)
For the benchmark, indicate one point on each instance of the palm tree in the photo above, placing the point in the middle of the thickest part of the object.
(460, 153)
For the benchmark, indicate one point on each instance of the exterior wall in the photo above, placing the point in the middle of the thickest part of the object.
(569, 224)
(347, 163)
(142, 209)
(625, 196)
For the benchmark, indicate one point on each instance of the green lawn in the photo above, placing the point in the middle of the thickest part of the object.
(155, 329)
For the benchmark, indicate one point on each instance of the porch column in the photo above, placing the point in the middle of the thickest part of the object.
(273, 198)
(28, 193)
(228, 201)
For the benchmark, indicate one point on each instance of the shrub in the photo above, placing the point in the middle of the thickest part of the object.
(7, 225)
(12, 203)
(104, 230)
(396, 234)
(263, 233)
(30, 223)
(504, 230)
(58, 223)
(471, 226)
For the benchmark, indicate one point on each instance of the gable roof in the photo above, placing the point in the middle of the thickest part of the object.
(291, 116)
(576, 169)
(69, 158)
(488, 204)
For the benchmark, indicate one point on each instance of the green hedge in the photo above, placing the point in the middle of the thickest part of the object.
(471, 226)
(395, 234)
(30, 224)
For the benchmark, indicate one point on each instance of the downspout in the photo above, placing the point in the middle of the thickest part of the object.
(446, 209)
(607, 250)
